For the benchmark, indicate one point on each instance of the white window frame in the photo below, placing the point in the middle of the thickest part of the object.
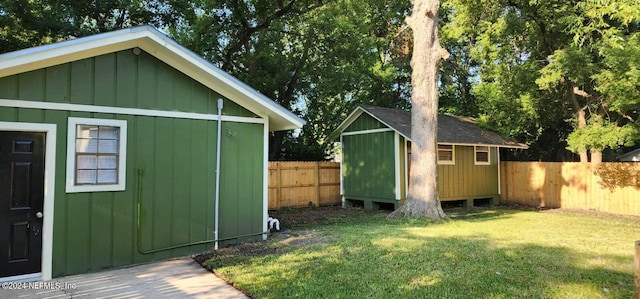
(73, 122)
(453, 155)
(475, 155)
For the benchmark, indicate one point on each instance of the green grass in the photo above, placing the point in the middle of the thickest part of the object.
(480, 254)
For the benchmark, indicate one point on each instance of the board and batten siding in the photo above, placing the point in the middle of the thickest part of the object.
(120, 79)
(465, 180)
(368, 166)
(364, 122)
(170, 165)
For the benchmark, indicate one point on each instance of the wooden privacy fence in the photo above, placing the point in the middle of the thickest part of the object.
(610, 187)
(303, 184)
(637, 272)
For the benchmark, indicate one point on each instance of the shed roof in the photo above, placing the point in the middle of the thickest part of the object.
(162, 47)
(451, 129)
(632, 156)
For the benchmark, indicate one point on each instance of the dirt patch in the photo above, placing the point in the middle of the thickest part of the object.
(296, 231)
(296, 218)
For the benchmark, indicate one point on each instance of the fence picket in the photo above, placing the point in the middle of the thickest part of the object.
(537, 184)
(572, 186)
(301, 184)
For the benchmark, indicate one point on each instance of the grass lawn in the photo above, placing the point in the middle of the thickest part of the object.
(481, 253)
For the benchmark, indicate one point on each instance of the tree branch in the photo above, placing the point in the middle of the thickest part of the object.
(244, 36)
(581, 92)
(287, 94)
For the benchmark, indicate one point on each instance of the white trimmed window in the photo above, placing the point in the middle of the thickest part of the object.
(482, 155)
(446, 154)
(96, 154)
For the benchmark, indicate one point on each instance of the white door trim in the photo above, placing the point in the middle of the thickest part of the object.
(49, 190)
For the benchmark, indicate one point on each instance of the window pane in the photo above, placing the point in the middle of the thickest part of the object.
(109, 132)
(482, 148)
(87, 162)
(445, 155)
(85, 177)
(95, 159)
(107, 162)
(108, 146)
(86, 131)
(87, 145)
(107, 176)
(482, 156)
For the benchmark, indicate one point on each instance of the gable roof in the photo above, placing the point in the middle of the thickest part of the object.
(451, 129)
(162, 47)
(632, 156)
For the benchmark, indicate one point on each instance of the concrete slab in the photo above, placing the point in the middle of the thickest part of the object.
(176, 278)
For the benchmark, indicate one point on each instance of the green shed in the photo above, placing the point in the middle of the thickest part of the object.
(376, 150)
(124, 148)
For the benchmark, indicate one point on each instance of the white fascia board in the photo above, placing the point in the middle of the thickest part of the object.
(350, 119)
(355, 114)
(388, 126)
(67, 51)
(167, 50)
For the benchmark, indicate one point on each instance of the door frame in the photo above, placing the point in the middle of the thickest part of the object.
(49, 191)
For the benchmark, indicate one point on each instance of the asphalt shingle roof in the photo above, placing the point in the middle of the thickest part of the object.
(451, 129)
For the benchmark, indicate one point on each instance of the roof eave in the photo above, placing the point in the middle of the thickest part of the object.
(157, 44)
(345, 123)
(359, 110)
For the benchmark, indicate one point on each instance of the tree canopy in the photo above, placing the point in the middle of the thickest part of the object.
(555, 74)
(318, 58)
(560, 75)
(26, 23)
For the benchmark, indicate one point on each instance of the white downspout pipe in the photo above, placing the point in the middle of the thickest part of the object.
(217, 204)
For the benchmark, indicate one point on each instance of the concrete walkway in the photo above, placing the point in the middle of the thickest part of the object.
(177, 278)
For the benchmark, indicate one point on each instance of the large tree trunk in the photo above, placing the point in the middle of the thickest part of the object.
(596, 157)
(422, 196)
(580, 117)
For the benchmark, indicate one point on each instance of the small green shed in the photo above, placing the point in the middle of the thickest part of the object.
(123, 148)
(376, 148)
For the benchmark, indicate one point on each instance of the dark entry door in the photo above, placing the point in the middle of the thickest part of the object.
(21, 202)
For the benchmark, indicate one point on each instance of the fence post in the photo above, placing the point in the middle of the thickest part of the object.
(317, 182)
(637, 275)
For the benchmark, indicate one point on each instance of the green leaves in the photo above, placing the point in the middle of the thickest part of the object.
(540, 63)
(567, 64)
(319, 58)
(619, 79)
(26, 23)
(600, 134)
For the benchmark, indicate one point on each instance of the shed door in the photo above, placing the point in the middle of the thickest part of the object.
(21, 202)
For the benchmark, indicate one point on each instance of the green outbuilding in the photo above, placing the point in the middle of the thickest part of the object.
(123, 148)
(376, 150)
